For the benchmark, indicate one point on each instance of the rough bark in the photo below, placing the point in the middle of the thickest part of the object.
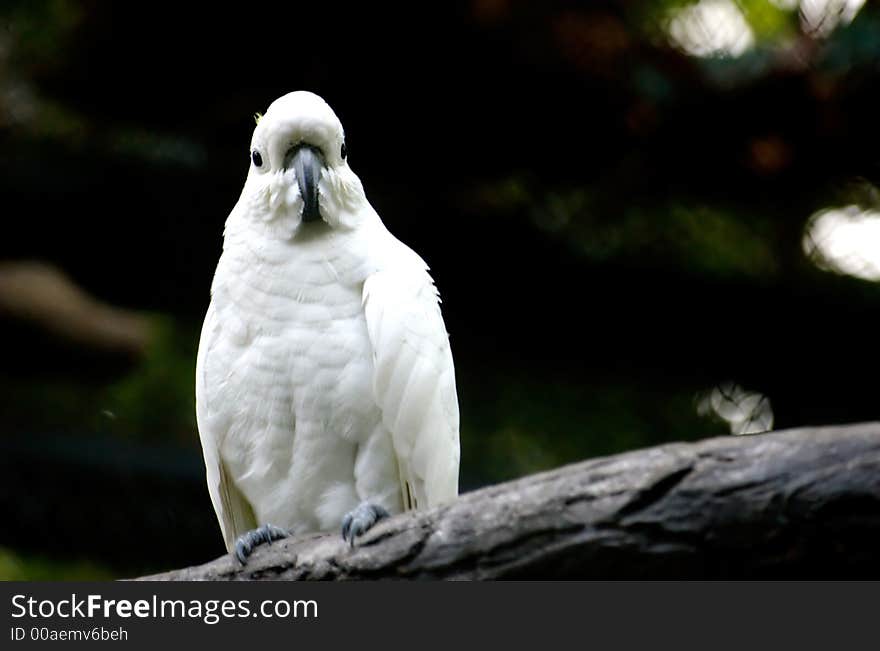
(797, 503)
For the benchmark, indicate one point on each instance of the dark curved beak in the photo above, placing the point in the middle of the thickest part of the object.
(306, 162)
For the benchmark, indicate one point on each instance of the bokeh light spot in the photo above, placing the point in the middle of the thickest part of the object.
(746, 412)
(711, 28)
(845, 240)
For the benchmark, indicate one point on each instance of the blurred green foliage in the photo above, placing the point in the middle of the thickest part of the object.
(151, 401)
(514, 423)
(157, 400)
(695, 236)
(15, 566)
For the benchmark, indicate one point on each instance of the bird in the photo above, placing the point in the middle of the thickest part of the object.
(325, 383)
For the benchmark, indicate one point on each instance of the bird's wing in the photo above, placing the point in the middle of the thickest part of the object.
(234, 513)
(414, 382)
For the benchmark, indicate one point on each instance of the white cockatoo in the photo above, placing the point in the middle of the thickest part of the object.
(325, 388)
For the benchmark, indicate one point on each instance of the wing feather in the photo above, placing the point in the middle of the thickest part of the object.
(414, 382)
(234, 513)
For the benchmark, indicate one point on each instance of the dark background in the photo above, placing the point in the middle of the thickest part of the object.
(616, 223)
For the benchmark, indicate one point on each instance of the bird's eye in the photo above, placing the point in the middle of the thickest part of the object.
(343, 152)
(258, 160)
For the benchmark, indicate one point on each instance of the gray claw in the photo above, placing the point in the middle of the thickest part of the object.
(360, 520)
(247, 542)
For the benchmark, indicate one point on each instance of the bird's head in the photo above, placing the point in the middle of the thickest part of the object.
(299, 171)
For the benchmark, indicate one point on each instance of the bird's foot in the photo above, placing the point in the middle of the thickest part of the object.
(360, 520)
(247, 542)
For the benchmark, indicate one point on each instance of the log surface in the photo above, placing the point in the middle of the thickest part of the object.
(798, 503)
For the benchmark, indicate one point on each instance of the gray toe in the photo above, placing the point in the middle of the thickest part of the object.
(360, 520)
(247, 542)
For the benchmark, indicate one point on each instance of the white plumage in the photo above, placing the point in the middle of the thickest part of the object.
(324, 375)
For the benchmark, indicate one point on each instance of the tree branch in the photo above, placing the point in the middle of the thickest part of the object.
(798, 503)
